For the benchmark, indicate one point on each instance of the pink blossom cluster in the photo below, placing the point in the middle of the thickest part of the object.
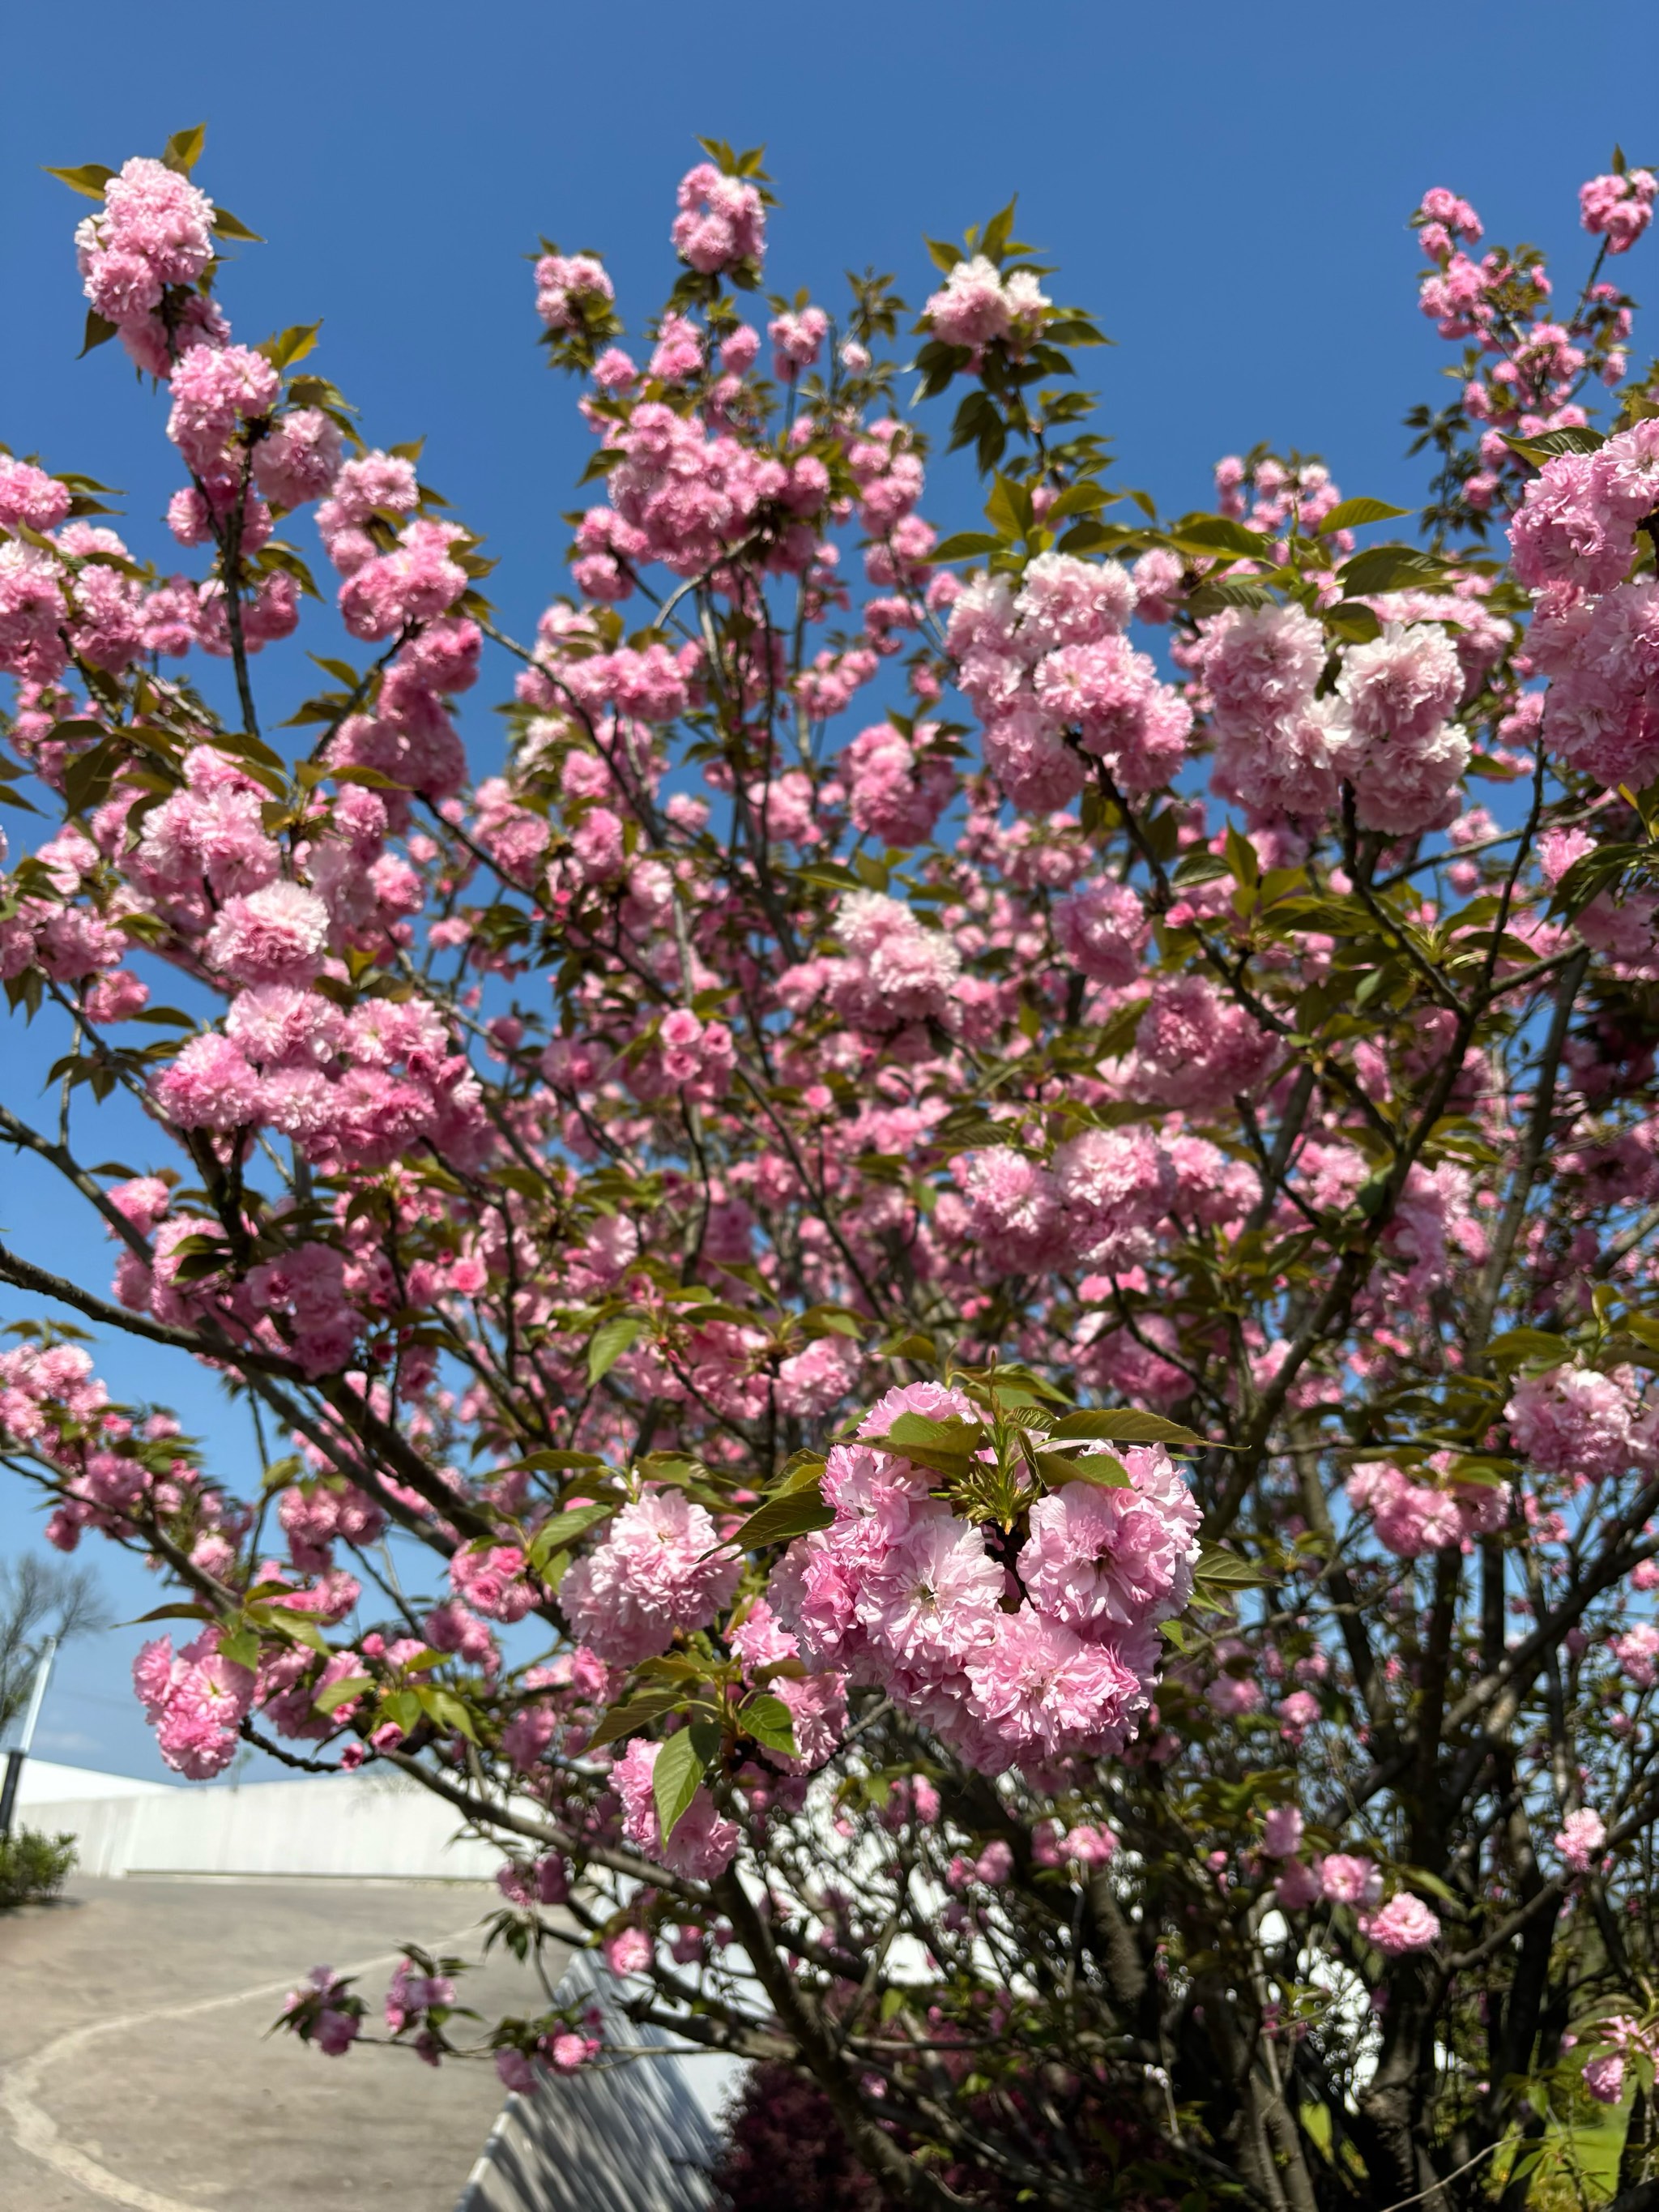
(897, 974)
(721, 223)
(195, 1700)
(1057, 684)
(1413, 1518)
(657, 1570)
(564, 282)
(797, 340)
(1575, 1422)
(977, 304)
(153, 235)
(74, 599)
(704, 1842)
(1285, 751)
(1096, 1204)
(1583, 1834)
(1404, 1923)
(897, 787)
(1596, 635)
(1618, 208)
(1010, 1665)
(1195, 1049)
(1604, 2075)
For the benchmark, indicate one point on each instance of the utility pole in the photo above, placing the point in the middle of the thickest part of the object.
(20, 1751)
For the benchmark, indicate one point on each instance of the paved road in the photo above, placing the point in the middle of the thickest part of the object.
(134, 2071)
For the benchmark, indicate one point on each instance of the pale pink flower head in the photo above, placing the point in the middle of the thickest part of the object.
(1347, 1879)
(1297, 1886)
(299, 460)
(1261, 664)
(995, 1864)
(721, 221)
(277, 934)
(1065, 601)
(1041, 1691)
(156, 213)
(1102, 929)
(936, 1401)
(627, 1952)
(657, 1569)
(1281, 1832)
(210, 1086)
(1196, 1050)
(1618, 208)
(28, 495)
(1573, 1422)
(1604, 2078)
(1583, 1834)
(563, 280)
(933, 1599)
(972, 307)
(1101, 1560)
(1014, 1212)
(1404, 1923)
(1563, 532)
(1296, 1714)
(797, 340)
(1404, 685)
(1637, 1654)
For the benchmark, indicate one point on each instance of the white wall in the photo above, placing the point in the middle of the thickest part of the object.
(43, 1781)
(358, 1827)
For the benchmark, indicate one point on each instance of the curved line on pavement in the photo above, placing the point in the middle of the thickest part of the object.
(36, 2132)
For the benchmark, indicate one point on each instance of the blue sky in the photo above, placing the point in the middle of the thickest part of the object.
(1226, 188)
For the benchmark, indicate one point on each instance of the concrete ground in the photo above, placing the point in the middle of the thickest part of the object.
(135, 2071)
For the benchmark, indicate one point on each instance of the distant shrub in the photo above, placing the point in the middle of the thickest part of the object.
(33, 1867)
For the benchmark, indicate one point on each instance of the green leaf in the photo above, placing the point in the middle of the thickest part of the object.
(336, 1694)
(832, 875)
(564, 1529)
(1518, 1344)
(1126, 1426)
(832, 1321)
(241, 1647)
(611, 1342)
(769, 1720)
(1575, 439)
(293, 345)
(1078, 499)
(967, 545)
(1009, 507)
(1219, 1567)
(1386, 568)
(89, 181)
(1355, 513)
(448, 1711)
(227, 226)
(1211, 534)
(184, 150)
(954, 1435)
(1352, 621)
(795, 1512)
(301, 1627)
(629, 1719)
(1221, 592)
(675, 1780)
(1103, 1469)
(403, 1708)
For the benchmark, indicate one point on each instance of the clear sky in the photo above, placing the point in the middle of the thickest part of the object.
(1226, 188)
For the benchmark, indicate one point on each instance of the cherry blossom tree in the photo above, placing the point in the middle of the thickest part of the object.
(970, 1362)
